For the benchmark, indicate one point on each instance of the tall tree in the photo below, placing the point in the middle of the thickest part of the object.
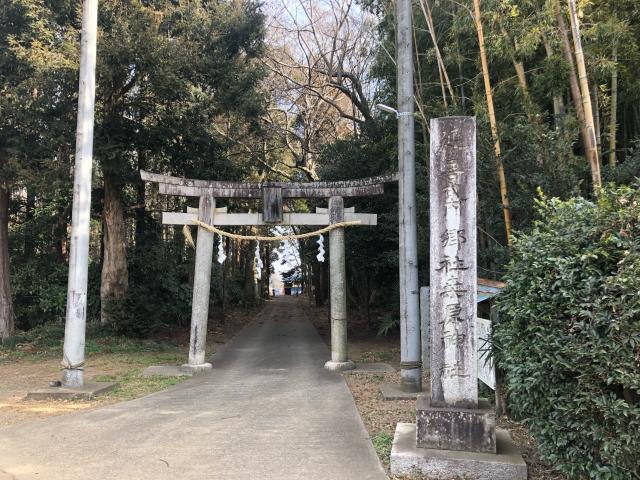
(166, 72)
(37, 62)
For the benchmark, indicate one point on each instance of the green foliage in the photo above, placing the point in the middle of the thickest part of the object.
(626, 172)
(568, 337)
(159, 294)
(39, 291)
(167, 73)
(38, 274)
(388, 323)
(237, 292)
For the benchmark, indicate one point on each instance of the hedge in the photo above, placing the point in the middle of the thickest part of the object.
(568, 337)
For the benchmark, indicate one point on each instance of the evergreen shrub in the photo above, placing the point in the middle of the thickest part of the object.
(568, 337)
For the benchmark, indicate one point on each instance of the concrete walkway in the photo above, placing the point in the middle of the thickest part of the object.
(268, 410)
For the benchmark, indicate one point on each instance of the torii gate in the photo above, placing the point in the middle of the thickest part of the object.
(272, 194)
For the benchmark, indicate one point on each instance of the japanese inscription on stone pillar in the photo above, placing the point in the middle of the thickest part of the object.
(453, 262)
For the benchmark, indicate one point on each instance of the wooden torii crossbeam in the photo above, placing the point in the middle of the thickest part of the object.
(272, 195)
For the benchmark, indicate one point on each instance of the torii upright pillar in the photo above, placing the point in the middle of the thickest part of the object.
(201, 289)
(337, 290)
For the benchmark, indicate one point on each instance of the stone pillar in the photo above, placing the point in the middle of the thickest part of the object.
(201, 288)
(337, 290)
(425, 328)
(451, 418)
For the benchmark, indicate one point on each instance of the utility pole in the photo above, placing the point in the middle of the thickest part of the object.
(410, 351)
(75, 325)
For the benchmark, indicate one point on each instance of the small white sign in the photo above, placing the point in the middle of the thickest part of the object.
(486, 369)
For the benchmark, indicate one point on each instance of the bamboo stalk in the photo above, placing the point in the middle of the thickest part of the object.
(574, 87)
(558, 105)
(442, 70)
(504, 196)
(614, 109)
(592, 152)
(595, 97)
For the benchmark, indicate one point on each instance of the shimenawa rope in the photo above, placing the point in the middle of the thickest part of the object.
(277, 238)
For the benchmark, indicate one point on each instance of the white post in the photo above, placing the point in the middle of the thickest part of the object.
(410, 354)
(76, 319)
(337, 285)
(201, 289)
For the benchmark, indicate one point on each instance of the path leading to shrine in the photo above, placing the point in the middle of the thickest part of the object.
(268, 410)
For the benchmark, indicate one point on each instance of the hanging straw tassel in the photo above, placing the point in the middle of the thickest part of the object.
(186, 231)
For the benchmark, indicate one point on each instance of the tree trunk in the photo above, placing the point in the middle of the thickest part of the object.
(60, 233)
(115, 276)
(614, 109)
(592, 152)
(367, 303)
(504, 196)
(6, 305)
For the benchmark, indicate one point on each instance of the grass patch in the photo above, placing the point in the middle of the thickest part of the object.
(46, 341)
(382, 442)
(127, 370)
(133, 385)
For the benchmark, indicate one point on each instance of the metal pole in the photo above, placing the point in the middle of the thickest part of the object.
(74, 332)
(410, 354)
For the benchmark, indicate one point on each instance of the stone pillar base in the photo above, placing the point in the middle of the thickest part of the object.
(407, 459)
(197, 368)
(339, 366)
(459, 429)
